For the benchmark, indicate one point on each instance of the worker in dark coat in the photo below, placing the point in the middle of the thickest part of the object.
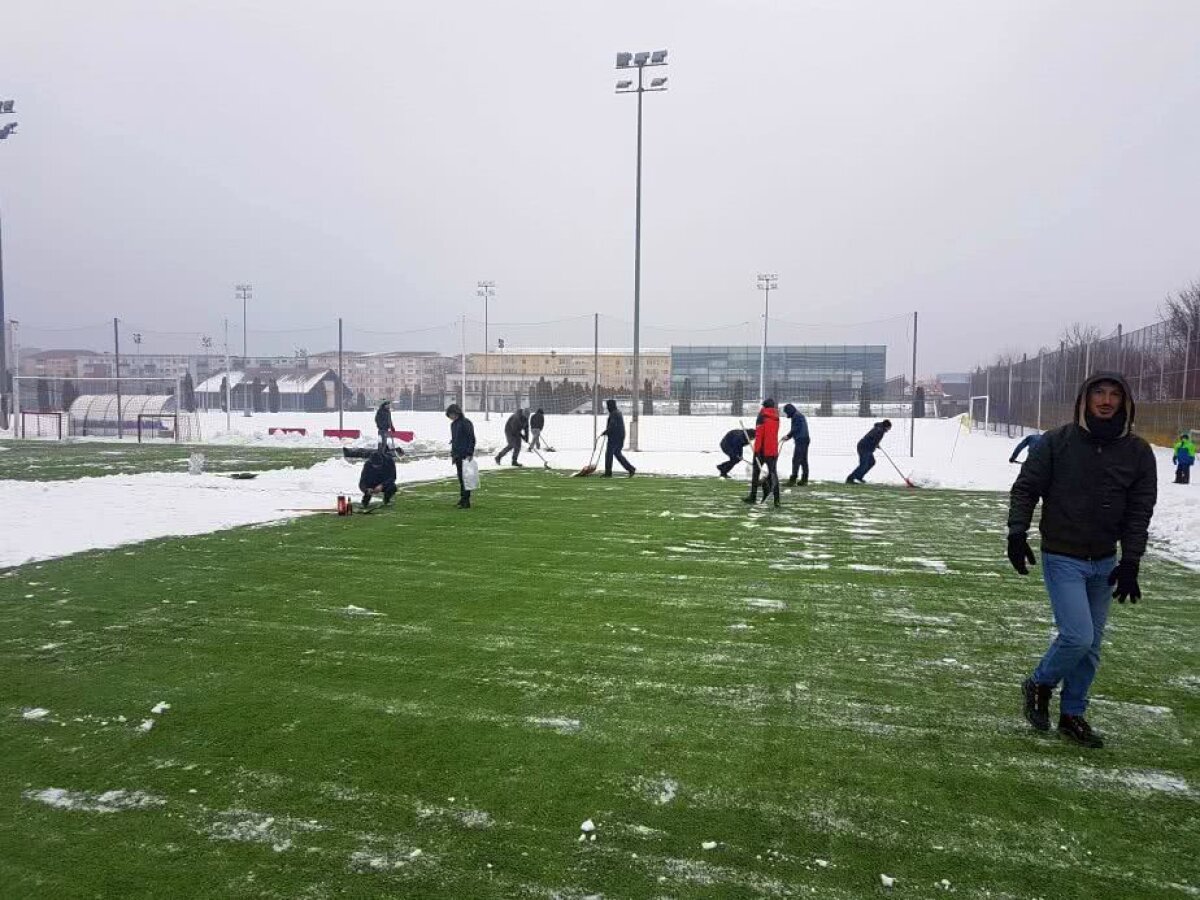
(383, 421)
(766, 454)
(798, 434)
(867, 446)
(1097, 483)
(1029, 442)
(462, 448)
(378, 477)
(732, 446)
(536, 423)
(516, 429)
(614, 435)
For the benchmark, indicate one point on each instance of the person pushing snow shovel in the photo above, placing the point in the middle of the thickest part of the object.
(732, 446)
(766, 454)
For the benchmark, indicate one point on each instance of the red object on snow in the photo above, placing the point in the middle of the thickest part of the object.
(405, 436)
(287, 431)
(351, 433)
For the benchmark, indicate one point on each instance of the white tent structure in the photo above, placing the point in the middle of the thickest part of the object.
(146, 416)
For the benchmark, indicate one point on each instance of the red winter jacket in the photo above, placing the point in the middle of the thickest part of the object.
(766, 434)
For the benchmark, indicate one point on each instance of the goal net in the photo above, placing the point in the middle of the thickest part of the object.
(980, 412)
(106, 408)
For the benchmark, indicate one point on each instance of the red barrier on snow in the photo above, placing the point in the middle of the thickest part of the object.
(406, 436)
(287, 431)
(343, 433)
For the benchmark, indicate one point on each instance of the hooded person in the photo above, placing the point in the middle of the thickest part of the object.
(798, 434)
(462, 448)
(383, 421)
(516, 429)
(732, 446)
(614, 435)
(536, 423)
(1097, 484)
(1183, 455)
(766, 454)
(378, 477)
(867, 445)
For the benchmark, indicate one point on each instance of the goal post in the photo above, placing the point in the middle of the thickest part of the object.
(980, 401)
(44, 425)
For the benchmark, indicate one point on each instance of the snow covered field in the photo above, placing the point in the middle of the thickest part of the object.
(44, 520)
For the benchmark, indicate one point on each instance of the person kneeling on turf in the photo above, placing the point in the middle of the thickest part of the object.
(378, 477)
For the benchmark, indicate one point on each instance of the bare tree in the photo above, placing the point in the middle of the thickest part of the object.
(1078, 333)
(1181, 313)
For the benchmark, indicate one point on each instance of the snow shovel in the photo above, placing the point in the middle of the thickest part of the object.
(535, 452)
(896, 467)
(590, 468)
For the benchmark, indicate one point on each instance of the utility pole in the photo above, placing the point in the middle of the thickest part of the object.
(243, 293)
(117, 372)
(766, 284)
(462, 399)
(912, 432)
(486, 290)
(228, 381)
(595, 377)
(639, 61)
(6, 108)
(341, 383)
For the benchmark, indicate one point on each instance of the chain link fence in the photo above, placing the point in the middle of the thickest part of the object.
(1161, 362)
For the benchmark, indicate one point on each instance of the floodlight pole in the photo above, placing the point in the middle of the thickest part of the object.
(766, 283)
(243, 292)
(486, 289)
(640, 61)
(6, 106)
(117, 371)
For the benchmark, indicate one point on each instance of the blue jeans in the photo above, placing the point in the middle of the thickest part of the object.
(866, 462)
(1080, 597)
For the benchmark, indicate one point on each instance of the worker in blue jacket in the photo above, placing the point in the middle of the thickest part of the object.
(732, 446)
(798, 433)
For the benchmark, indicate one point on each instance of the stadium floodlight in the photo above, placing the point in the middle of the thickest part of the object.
(626, 86)
(767, 282)
(10, 128)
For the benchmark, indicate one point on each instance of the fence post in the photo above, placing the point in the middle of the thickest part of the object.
(1041, 369)
(1120, 350)
(1187, 358)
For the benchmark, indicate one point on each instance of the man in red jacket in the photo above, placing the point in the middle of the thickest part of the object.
(766, 453)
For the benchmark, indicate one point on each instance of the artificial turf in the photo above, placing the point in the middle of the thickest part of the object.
(746, 702)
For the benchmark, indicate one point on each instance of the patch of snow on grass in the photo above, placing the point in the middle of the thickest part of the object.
(35, 713)
(468, 818)
(556, 723)
(256, 828)
(765, 603)
(107, 802)
(352, 610)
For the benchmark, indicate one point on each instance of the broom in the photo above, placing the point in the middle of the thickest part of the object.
(591, 466)
(896, 467)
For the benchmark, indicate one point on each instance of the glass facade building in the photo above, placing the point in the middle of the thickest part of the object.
(798, 373)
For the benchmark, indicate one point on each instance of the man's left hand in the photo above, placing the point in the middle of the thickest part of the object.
(1125, 577)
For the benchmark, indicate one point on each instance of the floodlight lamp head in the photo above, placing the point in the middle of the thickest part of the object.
(640, 59)
(658, 82)
(623, 60)
(624, 85)
(659, 57)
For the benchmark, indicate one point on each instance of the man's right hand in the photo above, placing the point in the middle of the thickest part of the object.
(1020, 553)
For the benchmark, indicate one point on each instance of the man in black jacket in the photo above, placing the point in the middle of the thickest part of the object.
(378, 477)
(867, 446)
(732, 446)
(1098, 485)
(462, 448)
(383, 421)
(516, 429)
(536, 423)
(614, 434)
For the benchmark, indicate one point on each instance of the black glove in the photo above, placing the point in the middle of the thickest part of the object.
(1020, 553)
(1125, 576)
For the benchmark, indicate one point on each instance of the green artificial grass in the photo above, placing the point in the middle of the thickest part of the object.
(826, 693)
(55, 461)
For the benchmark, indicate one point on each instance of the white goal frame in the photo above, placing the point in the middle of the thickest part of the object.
(987, 409)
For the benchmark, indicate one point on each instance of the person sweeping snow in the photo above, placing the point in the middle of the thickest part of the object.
(866, 451)
(799, 434)
(1097, 484)
(516, 429)
(614, 435)
(732, 446)
(766, 454)
(378, 477)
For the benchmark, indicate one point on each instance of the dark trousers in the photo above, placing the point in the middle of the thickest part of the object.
(383, 437)
(514, 444)
(866, 462)
(726, 467)
(464, 496)
(613, 451)
(1183, 474)
(800, 460)
(389, 491)
(772, 474)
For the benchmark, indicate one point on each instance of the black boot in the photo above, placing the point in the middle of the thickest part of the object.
(792, 481)
(1076, 728)
(1037, 704)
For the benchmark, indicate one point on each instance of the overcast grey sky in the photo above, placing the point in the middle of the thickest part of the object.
(1002, 167)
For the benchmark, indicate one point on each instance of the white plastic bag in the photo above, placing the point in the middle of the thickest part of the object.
(196, 464)
(470, 475)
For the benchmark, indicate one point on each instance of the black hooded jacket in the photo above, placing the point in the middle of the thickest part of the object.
(1095, 490)
(615, 429)
(379, 469)
(517, 426)
(537, 421)
(383, 417)
(870, 441)
(462, 435)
